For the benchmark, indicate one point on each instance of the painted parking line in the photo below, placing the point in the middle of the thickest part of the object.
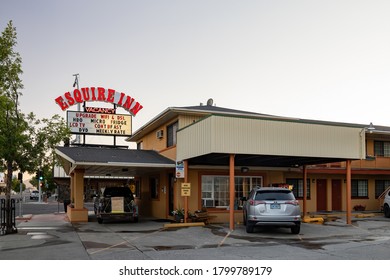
(224, 239)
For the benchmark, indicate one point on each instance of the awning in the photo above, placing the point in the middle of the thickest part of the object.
(98, 161)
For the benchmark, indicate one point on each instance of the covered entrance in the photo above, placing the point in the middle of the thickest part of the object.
(239, 142)
(79, 162)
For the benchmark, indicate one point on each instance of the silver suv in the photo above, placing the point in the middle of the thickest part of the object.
(386, 205)
(115, 202)
(272, 206)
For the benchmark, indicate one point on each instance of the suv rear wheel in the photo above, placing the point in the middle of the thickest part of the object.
(296, 229)
(249, 227)
(386, 210)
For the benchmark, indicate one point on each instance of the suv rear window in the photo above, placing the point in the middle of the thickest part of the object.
(274, 195)
(117, 192)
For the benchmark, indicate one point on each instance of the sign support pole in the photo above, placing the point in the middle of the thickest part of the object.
(186, 197)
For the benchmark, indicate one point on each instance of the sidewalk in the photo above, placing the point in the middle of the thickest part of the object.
(43, 237)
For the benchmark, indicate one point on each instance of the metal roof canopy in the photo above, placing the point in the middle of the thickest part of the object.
(97, 161)
(268, 142)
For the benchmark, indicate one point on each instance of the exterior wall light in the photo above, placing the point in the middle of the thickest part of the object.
(370, 128)
(244, 169)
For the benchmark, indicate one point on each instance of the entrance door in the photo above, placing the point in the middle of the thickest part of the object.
(336, 195)
(321, 194)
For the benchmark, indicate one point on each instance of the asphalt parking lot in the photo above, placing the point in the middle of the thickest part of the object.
(53, 237)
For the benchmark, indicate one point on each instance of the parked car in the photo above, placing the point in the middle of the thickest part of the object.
(386, 205)
(115, 203)
(272, 206)
(34, 195)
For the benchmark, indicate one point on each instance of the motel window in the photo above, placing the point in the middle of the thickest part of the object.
(382, 148)
(153, 184)
(215, 190)
(359, 188)
(171, 134)
(381, 186)
(298, 187)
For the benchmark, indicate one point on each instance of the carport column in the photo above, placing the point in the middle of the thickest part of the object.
(186, 197)
(231, 192)
(71, 195)
(77, 212)
(349, 192)
(304, 190)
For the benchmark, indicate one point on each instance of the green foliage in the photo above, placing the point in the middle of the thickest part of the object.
(16, 185)
(26, 143)
(10, 65)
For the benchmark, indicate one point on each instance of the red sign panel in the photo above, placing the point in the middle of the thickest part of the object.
(99, 94)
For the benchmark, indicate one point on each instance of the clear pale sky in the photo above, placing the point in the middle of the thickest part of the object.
(323, 60)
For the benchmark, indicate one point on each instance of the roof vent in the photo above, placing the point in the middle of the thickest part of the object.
(210, 102)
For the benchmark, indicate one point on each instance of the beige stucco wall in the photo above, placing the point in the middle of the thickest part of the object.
(232, 135)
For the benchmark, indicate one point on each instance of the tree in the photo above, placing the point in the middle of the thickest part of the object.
(48, 134)
(26, 143)
(11, 125)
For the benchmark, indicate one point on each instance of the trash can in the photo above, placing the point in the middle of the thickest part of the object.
(66, 203)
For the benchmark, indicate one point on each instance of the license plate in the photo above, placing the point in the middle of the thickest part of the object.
(275, 206)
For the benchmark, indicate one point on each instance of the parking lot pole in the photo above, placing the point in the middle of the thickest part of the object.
(186, 197)
(40, 190)
(21, 199)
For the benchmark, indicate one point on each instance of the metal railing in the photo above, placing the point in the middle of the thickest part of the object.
(7, 225)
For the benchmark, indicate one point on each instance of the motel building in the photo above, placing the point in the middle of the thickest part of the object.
(208, 156)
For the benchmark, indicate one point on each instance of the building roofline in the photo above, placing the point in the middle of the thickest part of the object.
(207, 110)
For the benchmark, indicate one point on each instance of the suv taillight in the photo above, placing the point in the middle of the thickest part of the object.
(256, 202)
(293, 202)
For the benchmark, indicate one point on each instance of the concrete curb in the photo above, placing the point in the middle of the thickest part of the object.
(179, 225)
(24, 217)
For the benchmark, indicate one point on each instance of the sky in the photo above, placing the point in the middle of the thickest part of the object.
(322, 60)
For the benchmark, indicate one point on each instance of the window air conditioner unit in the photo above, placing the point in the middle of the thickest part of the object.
(160, 134)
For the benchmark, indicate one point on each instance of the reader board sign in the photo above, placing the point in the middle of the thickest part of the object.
(99, 124)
